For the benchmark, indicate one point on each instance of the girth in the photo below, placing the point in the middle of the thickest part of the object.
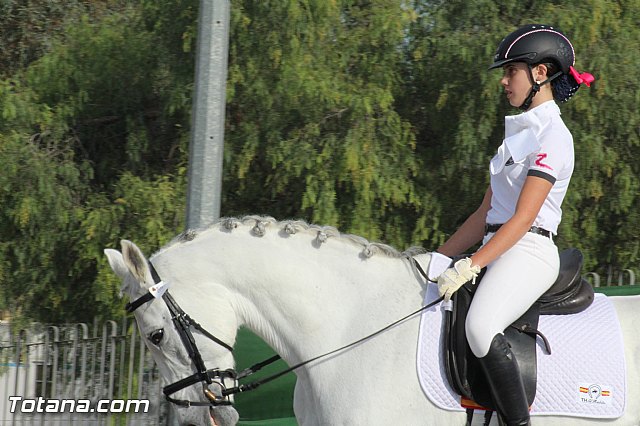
(568, 295)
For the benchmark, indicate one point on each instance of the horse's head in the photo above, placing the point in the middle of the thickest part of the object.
(168, 343)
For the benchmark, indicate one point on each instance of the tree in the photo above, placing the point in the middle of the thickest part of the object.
(89, 129)
(312, 129)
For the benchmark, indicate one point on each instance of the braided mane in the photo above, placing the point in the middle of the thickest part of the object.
(260, 225)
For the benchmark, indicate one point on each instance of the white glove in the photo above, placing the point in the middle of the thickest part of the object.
(454, 278)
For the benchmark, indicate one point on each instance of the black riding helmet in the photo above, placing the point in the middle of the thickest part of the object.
(536, 44)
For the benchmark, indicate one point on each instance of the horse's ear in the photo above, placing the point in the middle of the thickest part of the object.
(136, 262)
(117, 263)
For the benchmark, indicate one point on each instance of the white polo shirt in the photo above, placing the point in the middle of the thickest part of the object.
(537, 143)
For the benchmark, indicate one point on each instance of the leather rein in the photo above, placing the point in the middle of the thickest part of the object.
(183, 323)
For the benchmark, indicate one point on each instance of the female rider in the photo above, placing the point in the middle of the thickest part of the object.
(520, 211)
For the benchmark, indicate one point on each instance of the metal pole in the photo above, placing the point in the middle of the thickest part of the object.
(207, 132)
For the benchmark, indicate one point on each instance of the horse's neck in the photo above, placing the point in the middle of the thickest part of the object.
(300, 297)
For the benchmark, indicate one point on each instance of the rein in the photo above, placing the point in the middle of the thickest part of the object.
(183, 323)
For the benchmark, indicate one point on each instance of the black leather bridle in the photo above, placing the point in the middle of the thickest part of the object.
(183, 323)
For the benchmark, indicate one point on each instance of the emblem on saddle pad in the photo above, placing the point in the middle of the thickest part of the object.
(594, 394)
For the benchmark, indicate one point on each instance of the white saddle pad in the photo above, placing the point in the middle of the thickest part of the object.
(584, 376)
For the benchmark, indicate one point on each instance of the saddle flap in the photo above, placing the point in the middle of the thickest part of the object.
(463, 369)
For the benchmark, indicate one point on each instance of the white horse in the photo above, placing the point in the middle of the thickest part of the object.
(307, 290)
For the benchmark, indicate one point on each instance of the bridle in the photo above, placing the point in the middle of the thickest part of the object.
(183, 323)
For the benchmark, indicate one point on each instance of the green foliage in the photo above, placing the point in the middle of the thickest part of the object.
(378, 117)
(25, 29)
(314, 115)
(37, 226)
(93, 151)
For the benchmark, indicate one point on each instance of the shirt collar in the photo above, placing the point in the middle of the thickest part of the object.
(521, 135)
(531, 119)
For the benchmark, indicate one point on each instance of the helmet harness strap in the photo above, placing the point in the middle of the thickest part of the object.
(535, 88)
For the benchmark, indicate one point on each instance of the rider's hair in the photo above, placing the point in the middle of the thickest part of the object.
(564, 86)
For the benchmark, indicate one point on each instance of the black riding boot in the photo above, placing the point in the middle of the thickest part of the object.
(503, 374)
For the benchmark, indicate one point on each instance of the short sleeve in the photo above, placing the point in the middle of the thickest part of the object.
(549, 161)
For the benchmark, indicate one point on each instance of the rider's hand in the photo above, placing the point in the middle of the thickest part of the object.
(454, 278)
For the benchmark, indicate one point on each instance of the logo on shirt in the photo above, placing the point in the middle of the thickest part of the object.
(509, 162)
(539, 162)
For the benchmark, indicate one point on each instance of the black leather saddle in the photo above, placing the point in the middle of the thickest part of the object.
(569, 294)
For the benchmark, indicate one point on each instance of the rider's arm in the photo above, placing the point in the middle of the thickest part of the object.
(532, 196)
(470, 232)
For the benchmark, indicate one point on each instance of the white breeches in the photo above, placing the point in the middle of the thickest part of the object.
(512, 283)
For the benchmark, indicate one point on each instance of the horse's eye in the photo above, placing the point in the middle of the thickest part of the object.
(156, 336)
